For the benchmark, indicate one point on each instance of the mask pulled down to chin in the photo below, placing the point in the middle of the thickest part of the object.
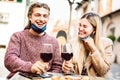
(89, 36)
(38, 30)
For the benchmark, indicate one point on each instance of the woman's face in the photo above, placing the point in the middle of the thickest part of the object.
(39, 17)
(85, 28)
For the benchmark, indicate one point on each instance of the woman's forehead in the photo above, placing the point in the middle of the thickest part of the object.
(84, 21)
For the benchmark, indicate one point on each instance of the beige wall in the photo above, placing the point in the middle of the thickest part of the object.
(16, 19)
(104, 7)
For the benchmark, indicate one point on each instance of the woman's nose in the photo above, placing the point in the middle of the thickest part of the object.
(80, 28)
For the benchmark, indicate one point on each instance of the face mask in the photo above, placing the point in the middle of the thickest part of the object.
(83, 39)
(89, 36)
(38, 30)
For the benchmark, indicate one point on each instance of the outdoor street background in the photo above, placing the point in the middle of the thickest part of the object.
(63, 17)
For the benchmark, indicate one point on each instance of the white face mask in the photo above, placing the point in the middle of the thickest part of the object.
(89, 36)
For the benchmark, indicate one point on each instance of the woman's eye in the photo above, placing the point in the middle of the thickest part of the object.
(85, 26)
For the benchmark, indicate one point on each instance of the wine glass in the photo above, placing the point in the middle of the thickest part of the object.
(46, 56)
(67, 53)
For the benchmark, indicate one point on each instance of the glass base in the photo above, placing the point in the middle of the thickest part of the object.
(45, 75)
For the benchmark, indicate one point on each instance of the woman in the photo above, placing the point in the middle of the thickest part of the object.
(23, 51)
(91, 52)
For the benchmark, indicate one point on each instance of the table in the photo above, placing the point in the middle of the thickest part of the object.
(57, 76)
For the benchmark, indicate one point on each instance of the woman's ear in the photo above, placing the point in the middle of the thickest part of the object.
(93, 34)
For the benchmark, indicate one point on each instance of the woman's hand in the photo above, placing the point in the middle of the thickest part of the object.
(39, 67)
(67, 66)
(89, 43)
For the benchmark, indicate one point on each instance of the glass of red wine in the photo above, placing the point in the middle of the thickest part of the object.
(67, 53)
(46, 56)
(47, 51)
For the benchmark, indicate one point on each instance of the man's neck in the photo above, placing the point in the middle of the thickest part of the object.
(35, 33)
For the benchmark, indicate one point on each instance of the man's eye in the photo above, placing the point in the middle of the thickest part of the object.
(37, 15)
(45, 16)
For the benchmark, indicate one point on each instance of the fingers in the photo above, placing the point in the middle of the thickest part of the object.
(67, 66)
(39, 67)
(43, 66)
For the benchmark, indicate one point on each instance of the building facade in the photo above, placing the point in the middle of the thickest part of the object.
(109, 10)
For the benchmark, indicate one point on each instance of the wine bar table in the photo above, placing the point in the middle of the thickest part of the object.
(57, 76)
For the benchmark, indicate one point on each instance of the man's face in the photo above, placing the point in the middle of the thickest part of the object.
(39, 17)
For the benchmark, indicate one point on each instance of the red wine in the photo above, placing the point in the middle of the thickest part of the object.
(67, 56)
(46, 57)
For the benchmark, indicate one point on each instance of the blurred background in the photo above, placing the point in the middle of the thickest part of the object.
(62, 23)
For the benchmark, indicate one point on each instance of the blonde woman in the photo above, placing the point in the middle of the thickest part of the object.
(92, 53)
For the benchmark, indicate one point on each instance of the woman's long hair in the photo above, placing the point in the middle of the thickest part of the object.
(30, 11)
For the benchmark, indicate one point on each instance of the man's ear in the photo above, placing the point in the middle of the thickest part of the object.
(29, 17)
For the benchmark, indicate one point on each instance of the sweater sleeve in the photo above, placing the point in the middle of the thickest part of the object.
(102, 63)
(12, 59)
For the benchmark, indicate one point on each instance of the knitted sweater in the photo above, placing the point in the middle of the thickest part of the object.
(24, 49)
